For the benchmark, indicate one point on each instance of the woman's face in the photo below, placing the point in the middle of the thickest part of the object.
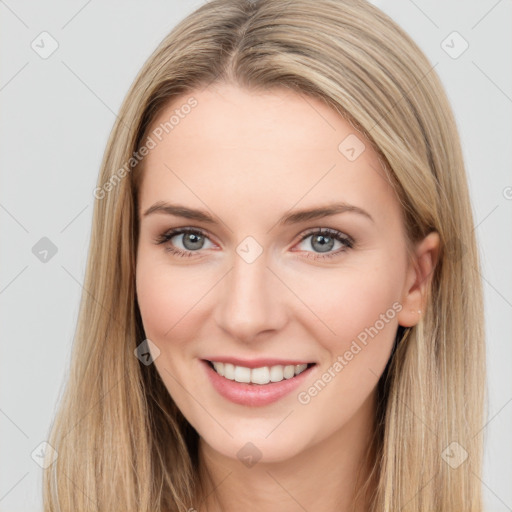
(258, 282)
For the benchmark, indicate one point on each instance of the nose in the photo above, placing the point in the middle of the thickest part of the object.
(251, 300)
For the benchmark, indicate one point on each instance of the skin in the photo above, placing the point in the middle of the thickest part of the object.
(248, 158)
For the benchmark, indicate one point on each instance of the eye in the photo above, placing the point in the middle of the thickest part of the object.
(323, 241)
(192, 240)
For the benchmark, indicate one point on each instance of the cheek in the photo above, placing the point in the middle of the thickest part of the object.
(167, 300)
(352, 341)
(361, 308)
(352, 301)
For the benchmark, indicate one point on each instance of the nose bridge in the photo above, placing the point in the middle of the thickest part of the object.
(250, 298)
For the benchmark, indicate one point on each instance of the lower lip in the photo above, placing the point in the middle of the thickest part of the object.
(254, 394)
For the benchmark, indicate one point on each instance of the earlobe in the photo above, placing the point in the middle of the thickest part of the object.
(418, 280)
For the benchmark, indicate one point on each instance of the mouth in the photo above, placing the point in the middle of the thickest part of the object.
(258, 376)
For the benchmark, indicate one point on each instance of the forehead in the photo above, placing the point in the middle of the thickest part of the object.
(255, 149)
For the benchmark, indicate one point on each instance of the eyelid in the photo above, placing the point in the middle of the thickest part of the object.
(328, 231)
(171, 233)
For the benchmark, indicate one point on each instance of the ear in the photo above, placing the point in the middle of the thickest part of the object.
(417, 282)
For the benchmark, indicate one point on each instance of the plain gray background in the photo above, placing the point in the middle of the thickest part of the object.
(56, 115)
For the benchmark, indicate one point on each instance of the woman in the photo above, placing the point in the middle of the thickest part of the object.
(282, 307)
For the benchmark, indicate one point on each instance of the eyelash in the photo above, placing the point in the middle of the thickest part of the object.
(337, 235)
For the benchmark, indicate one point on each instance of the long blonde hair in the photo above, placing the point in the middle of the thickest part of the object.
(122, 443)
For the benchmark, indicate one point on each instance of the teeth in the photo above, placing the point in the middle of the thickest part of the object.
(262, 375)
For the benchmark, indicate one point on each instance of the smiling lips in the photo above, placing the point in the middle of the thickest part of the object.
(255, 385)
(257, 371)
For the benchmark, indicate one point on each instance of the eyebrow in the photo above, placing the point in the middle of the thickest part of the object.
(287, 219)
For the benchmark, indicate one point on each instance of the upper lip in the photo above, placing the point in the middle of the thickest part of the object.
(256, 363)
